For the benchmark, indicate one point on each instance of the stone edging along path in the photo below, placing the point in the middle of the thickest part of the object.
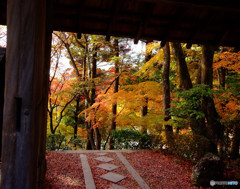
(110, 176)
(88, 177)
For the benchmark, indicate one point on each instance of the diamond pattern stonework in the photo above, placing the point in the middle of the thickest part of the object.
(113, 177)
(104, 159)
(108, 166)
(101, 154)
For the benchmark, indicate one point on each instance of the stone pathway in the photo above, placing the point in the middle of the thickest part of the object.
(110, 176)
(89, 182)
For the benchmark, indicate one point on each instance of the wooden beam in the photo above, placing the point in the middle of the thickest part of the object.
(42, 110)
(2, 84)
(113, 17)
(189, 45)
(200, 25)
(81, 9)
(145, 18)
(175, 20)
(27, 71)
(225, 6)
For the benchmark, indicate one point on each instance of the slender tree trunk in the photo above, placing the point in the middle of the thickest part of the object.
(50, 113)
(114, 106)
(90, 142)
(221, 77)
(144, 109)
(85, 58)
(93, 96)
(77, 111)
(185, 80)
(166, 93)
(198, 79)
(214, 127)
(197, 126)
(143, 130)
(98, 138)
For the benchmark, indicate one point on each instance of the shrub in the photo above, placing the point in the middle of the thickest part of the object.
(77, 142)
(56, 142)
(188, 146)
(131, 139)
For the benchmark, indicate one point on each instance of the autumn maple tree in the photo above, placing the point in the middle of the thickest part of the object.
(182, 97)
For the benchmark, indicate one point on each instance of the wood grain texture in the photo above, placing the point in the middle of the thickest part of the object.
(2, 83)
(26, 72)
(200, 21)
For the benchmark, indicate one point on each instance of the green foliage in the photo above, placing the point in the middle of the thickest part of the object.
(77, 142)
(187, 104)
(131, 139)
(187, 146)
(57, 142)
(233, 83)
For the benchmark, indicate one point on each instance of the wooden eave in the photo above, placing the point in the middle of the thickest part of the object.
(192, 21)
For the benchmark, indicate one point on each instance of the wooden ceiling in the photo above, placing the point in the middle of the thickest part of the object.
(192, 21)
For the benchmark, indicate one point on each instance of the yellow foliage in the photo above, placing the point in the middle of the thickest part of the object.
(151, 46)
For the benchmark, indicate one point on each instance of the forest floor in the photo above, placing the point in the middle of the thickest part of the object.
(157, 169)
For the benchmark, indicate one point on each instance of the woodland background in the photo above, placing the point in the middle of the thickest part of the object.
(176, 97)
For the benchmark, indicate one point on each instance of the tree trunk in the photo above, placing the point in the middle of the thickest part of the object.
(114, 106)
(235, 142)
(214, 127)
(221, 77)
(93, 96)
(90, 142)
(144, 109)
(197, 126)
(166, 92)
(85, 58)
(50, 113)
(185, 80)
(77, 111)
(98, 138)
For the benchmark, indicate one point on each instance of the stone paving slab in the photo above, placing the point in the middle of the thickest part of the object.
(134, 173)
(101, 154)
(113, 177)
(104, 159)
(107, 166)
(115, 186)
(88, 177)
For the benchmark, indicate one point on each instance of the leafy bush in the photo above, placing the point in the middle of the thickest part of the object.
(190, 104)
(77, 142)
(57, 142)
(131, 139)
(188, 146)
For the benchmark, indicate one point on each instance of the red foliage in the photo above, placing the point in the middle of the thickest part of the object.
(64, 171)
(160, 171)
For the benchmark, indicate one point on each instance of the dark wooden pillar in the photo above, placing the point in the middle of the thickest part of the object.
(2, 81)
(26, 91)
